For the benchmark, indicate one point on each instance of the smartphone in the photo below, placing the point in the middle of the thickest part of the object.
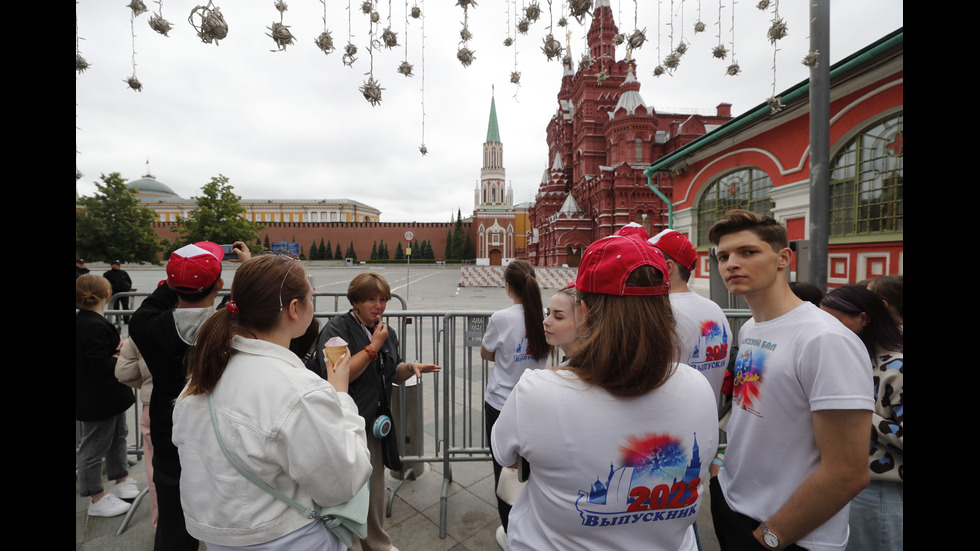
(230, 253)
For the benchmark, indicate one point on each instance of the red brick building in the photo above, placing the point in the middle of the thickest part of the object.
(600, 141)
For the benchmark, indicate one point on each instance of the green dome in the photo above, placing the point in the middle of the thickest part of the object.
(148, 186)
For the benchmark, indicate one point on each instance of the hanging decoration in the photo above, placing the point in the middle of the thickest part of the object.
(212, 26)
(659, 69)
(811, 59)
(719, 51)
(137, 8)
(776, 32)
(422, 148)
(699, 25)
(552, 48)
(389, 37)
(532, 12)
(579, 9)
(280, 32)
(158, 23)
(464, 54)
(80, 63)
(416, 12)
(324, 41)
(405, 68)
(733, 69)
(350, 50)
(371, 89)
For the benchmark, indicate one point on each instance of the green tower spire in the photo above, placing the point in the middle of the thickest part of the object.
(493, 133)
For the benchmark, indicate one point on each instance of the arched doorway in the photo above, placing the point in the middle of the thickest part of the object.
(495, 257)
(574, 256)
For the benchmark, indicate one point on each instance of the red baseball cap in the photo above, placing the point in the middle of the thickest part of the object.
(608, 263)
(633, 229)
(675, 245)
(194, 268)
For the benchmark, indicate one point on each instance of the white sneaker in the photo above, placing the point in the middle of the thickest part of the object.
(108, 506)
(126, 489)
(502, 538)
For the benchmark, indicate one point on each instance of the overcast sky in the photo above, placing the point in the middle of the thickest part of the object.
(292, 124)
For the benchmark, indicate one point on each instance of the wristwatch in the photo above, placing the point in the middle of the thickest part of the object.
(771, 540)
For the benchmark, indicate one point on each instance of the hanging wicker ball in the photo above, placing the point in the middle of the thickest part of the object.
(367, 7)
(733, 69)
(78, 174)
(777, 30)
(762, 5)
(563, 22)
(389, 37)
(134, 83)
(138, 7)
(423, 150)
(375, 17)
(659, 70)
(619, 39)
(372, 91)
(213, 26)
(579, 8)
(775, 104)
(699, 27)
(601, 76)
(586, 62)
(350, 52)
(508, 41)
(281, 6)
(523, 25)
(281, 35)
(465, 56)
(681, 48)
(719, 51)
(466, 3)
(811, 59)
(465, 34)
(81, 64)
(324, 42)
(159, 24)
(515, 77)
(552, 48)
(567, 59)
(637, 39)
(532, 11)
(416, 12)
(672, 60)
(406, 69)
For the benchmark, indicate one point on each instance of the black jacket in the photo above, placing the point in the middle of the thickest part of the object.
(98, 394)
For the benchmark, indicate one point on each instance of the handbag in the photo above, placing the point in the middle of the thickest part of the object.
(512, 482)
(345, 520)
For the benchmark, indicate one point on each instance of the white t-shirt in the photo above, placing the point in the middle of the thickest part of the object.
(506, 337)
(607, 472)
(798, 363)
(705, 336)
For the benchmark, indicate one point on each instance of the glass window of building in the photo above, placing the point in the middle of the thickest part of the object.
(743, 188)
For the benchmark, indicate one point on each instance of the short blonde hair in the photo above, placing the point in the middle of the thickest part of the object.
(90, 290)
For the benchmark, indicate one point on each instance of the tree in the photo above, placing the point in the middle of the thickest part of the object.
(326, 253)
(383, 251)
(113, 225)
(374, 251)
(350, 251)
(314, 251)
(218, 217)
(399, 254)
(468, 253)
(266, 243)
(337, 254)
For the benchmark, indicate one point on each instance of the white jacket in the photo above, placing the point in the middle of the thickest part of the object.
(283, 424)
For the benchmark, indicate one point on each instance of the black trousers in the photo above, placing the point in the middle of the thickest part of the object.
(171, 534)
(502, 507)
(734, 530)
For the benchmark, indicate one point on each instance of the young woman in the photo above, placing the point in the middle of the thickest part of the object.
(376, 364)
(876, 513)
(562, 328)
(100, 402)
(279, 421)
(515, 342)
(620, 439)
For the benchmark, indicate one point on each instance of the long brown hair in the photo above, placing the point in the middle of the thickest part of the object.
(262, 288)
(632, 345)
(519, 274)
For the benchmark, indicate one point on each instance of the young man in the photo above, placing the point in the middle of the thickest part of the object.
(798, 435)
(701, 325)
(163, 328)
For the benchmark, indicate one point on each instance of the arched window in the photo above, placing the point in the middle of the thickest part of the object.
(743, 188)
(866, 182)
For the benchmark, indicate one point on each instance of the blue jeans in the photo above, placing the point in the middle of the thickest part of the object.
(102, 439)
(876, 518)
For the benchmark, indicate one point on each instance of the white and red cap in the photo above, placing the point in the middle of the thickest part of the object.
(194, 268)
(675, 245)
(608, 263)
(633, 229)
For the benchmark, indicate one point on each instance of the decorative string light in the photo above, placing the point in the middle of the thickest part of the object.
(212, 26)
(422, 148)
(137, 8)
(280, 32)
(324, 41)
(158, 23)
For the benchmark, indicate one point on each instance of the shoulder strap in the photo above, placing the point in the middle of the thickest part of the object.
(308, 513)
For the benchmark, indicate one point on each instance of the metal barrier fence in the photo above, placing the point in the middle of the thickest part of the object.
(444, 420)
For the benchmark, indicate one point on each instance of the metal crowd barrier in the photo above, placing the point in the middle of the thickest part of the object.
(450, 413)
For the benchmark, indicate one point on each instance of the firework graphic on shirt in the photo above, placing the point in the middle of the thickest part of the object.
(750, 367)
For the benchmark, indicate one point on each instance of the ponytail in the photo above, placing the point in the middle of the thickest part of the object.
(520, 276)
(208, 358)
